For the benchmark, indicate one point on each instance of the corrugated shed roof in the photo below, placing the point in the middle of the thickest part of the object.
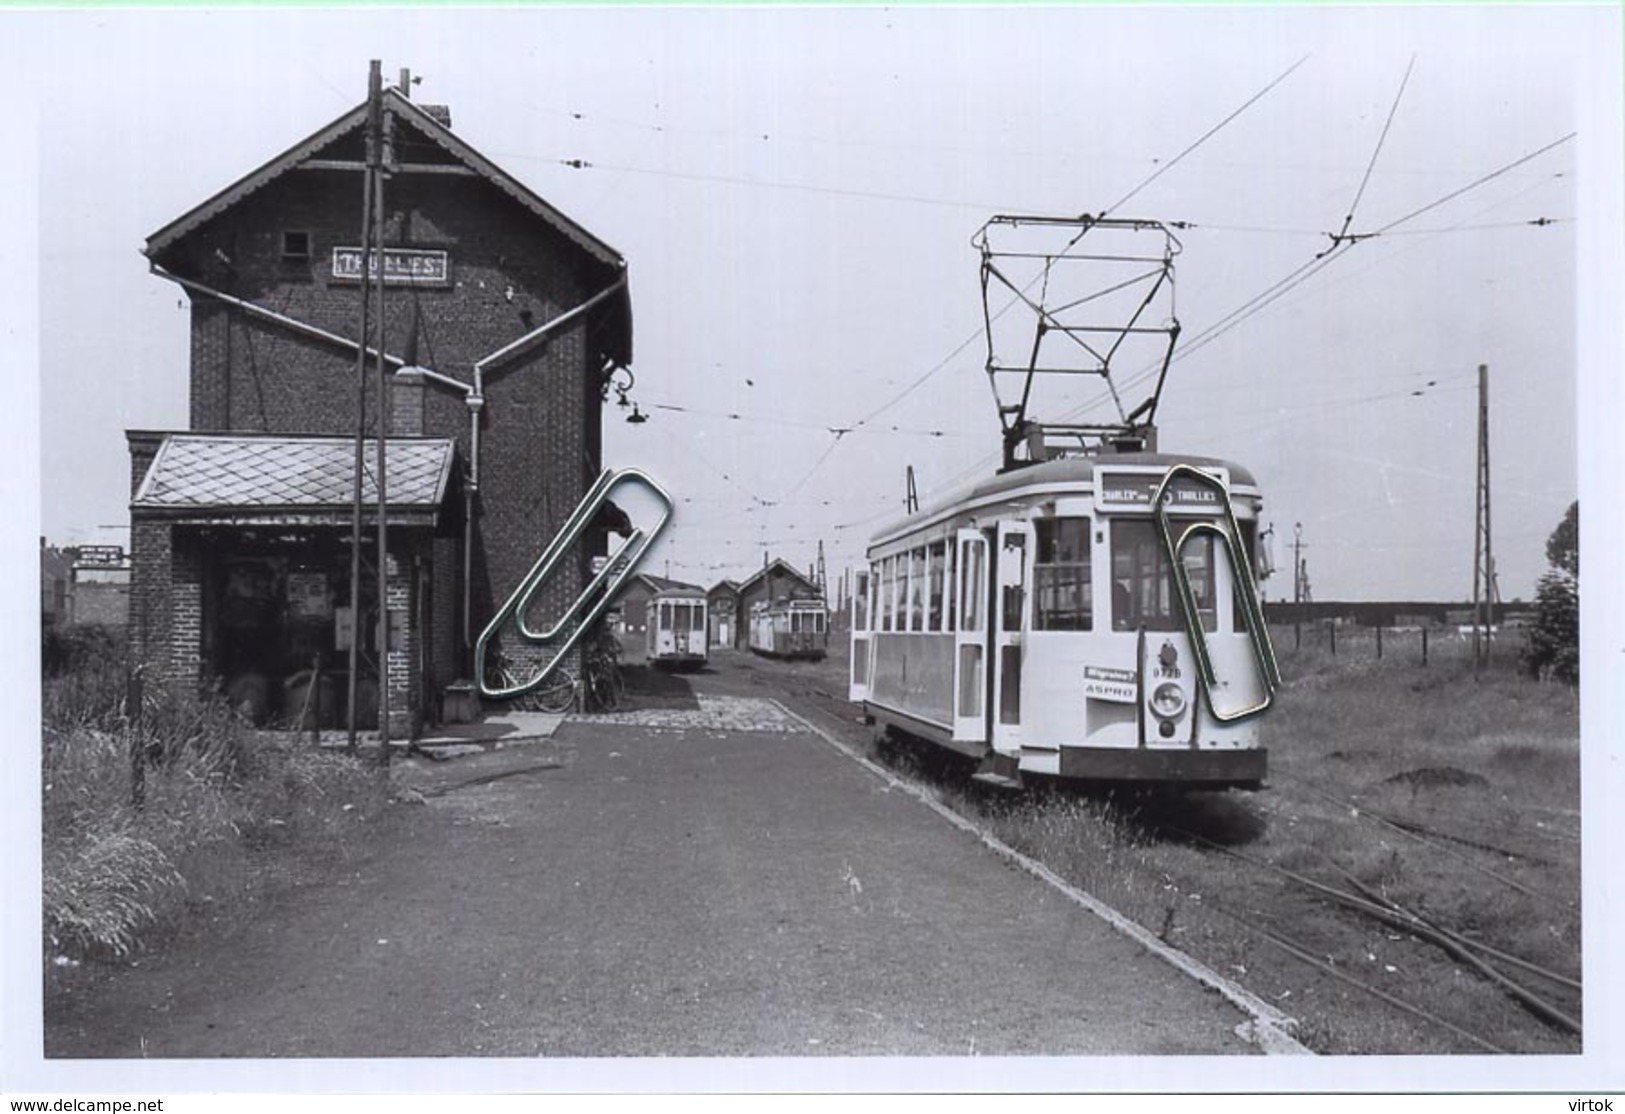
(196, 471)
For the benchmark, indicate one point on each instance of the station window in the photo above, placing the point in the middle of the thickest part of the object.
(1064, 599)
(295, 245)
(1143, 590)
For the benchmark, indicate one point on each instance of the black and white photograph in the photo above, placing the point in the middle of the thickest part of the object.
(802, 548)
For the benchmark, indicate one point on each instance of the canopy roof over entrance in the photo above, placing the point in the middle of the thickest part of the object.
(243, 478)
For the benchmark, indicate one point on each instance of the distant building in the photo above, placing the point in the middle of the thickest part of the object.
(56, 574)
(722, 607)
(634, 608)
(778, 580)
(504, 320)
(83, 585)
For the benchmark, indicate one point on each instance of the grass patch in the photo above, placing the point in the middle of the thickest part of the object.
(216, 797)
(1488, 758)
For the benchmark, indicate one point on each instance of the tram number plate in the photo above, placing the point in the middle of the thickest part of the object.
(1101, 683)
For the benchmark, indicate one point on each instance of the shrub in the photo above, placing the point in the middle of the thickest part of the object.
(1553, 649)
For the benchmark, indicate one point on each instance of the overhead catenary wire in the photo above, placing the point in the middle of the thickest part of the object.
(1254, 99)
(968, 341)
(1302, 273)
(1372, 165)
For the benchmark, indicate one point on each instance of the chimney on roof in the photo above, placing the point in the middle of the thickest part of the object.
(440, 113)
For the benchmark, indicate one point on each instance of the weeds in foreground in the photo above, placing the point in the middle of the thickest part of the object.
(119, 866)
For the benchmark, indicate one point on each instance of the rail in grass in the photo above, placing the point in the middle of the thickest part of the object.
(1091, 617)
(677, 629)
(790, 628)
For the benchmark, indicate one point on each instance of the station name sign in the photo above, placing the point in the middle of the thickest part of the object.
(402, 266)
(1123, 490)
(100, 555)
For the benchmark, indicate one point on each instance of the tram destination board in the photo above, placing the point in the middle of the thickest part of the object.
(1124, 489)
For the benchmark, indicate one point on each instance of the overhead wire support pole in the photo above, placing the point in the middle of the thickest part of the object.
(1482, 559)
(382, 156)
(374, 92)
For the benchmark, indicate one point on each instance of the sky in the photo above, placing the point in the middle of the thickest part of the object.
(796, 191)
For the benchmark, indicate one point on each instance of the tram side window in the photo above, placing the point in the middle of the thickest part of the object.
(1143, 590)
(696, 618)
(894, 588)
(971, 579)
(1249, 546)
(883, 593)
(1061, 575)
(935, 601)
(916, 590)
(1013, 582)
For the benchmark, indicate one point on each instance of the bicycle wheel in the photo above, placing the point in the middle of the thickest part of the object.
(600, 697)
(555, 695)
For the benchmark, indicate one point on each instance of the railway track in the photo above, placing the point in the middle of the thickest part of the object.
(1360, 920)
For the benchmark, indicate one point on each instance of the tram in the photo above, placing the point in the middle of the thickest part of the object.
(677, 629)
(790, 628)
(1089, 617)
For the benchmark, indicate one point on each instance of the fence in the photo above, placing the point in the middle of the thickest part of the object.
(1421, 646)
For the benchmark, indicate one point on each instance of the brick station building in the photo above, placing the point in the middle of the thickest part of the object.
(504, 320)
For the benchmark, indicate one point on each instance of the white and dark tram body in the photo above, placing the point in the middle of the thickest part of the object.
(790, 628)
(1036, 621)
(677, 629)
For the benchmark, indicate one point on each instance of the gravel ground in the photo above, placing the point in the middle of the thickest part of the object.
(678, 881)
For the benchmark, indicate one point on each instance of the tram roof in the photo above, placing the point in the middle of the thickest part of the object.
(1077, 471)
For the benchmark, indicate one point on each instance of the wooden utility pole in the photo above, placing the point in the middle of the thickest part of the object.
(1483, 560)
(1300, 566)
(374, 99)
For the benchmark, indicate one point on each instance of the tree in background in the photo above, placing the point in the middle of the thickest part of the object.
(1554, 641)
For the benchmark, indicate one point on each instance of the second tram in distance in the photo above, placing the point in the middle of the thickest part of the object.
(792, 628)
(677, 629)
(1036, 621)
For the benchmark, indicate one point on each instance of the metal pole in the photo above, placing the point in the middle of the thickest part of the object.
(374, 90)
(383, 155)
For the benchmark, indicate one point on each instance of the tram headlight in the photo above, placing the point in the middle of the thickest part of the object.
(1167, 701)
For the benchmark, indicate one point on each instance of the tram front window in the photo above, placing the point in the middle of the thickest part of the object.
(1143, 590)
(1063, 598)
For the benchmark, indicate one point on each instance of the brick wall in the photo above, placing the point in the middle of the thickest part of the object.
(511, 274)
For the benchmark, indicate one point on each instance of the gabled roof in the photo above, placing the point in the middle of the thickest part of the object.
(420, 121)
(236, 476)
(780, 564)
(428, 130)
(724, 586)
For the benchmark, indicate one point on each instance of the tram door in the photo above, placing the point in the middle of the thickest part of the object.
(1010, 607)
(858, 684)
(970, 638)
